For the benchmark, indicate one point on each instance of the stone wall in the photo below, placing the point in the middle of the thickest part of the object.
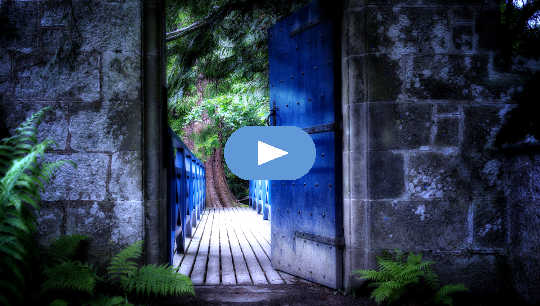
(82, 58)
(423, 98)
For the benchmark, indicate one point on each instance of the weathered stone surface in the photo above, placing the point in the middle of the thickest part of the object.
(127, 223)
(94, 219)
(385, 175)
(462, 37)
(47, 77)
(447, 132)
(55, 13)
(490, 222)
(436, 175)
(482, 274)
(399, 125)
(447, 108)
(5, 63)
(86, 182)
(374, 77)
(121, 77)
(50, 221)
(54, 125)
(418, 225)
(126, 176)
(119, 124)
(460, 77)
(99, 31)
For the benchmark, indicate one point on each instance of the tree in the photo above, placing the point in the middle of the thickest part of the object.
(217, 74)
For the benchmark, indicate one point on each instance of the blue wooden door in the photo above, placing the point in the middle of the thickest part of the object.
(307, 231)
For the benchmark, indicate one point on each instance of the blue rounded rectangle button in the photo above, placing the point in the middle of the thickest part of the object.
(270, 153)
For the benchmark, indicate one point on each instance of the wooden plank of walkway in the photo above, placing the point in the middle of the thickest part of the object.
(213, 271)
(272, 275)
(254, 268)
(231, 246)
(263, 238)
(198, 273)
(240, 266)
(186, 264)
(228, 276)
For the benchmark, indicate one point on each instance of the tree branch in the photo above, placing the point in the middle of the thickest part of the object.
(216, 15)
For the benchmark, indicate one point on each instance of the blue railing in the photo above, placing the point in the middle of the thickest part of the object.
(187, 194)
(259, 197)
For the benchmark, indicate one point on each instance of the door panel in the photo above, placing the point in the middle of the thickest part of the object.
(306, 213)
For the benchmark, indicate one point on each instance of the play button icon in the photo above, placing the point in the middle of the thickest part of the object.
(266, 153)
(270, 153)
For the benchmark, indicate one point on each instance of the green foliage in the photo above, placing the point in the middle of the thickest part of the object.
(23, 177)
(401, 278)
(68, 247)
(70, 275)
(148, 280)
(159, 280)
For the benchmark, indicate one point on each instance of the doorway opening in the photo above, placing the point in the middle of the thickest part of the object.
(227, 69)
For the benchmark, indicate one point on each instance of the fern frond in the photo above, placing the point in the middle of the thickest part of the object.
(123, 264)
(159, 280)
(71, 275)
(443, 294)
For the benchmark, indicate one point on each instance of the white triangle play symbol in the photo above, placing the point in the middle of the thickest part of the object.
(266, 153)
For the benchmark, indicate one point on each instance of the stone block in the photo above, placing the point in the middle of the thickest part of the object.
(383, 79)
(385, 175)
(126, 176)
(56, 13)
(47, 77)
(54, 125)
(357, 117)
(447, 132)
(94, 219)
(490, 226)
(418, 225)
(459, 77)
(99, 32)
(357, 81)
(121, 76)
(483, 274)
(108, 127)
(421, 30)
(359, 229)
(437, 176)
(447, 108)
(86, 182)
(480, 129)
(50, 221)
(358, 175)
(399, 125)
(462, 37)
(127, 223)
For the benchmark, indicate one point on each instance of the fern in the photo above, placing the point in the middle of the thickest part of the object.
(70, 275)
(22, 178)
(149, 279)
(159, 280)
(123, 264)
(398, 276)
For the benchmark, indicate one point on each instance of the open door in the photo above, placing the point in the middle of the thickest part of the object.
(307, 229)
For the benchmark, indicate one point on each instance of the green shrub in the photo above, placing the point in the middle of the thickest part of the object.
(401, 279)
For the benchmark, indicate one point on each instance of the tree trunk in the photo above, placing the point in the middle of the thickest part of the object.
(218, 193)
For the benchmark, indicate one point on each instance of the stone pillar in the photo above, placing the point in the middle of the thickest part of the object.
(422, 101)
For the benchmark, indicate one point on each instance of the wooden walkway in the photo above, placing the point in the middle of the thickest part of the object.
(230, 246)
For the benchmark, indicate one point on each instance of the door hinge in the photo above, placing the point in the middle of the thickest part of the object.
(320, 128)
(337, 242)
